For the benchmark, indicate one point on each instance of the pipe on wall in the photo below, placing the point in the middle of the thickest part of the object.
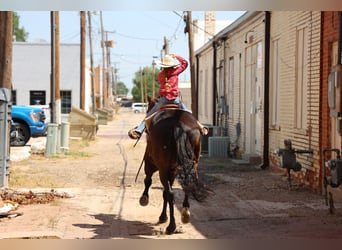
(215, 99)
(339, 48)
(265, 163)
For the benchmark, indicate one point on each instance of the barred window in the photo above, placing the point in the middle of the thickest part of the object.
(65, 101)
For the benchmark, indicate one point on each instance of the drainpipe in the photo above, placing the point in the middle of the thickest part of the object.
(339, 48)
(265, 164)
(196, 86)
(215, 83)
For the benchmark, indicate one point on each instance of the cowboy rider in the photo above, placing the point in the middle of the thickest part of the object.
(168, 90)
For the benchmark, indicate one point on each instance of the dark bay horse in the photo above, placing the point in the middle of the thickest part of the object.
(173, 148)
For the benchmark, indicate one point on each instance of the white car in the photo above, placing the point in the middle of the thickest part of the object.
(138, 107)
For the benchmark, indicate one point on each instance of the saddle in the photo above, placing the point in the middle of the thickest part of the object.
(170, 106)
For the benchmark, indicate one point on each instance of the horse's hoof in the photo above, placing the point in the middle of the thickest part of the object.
(170, 229)
(143, 200)
(185, 215)
(162, 219)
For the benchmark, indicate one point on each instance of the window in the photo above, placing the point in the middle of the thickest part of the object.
(14, 97)
(221, 79)
(37, 97)
(301, 79)
(206, 84)
(65, 101)
(274, 85)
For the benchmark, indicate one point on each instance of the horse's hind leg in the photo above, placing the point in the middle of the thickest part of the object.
(149, 169)
(163, 216)
(185, 210)
(144, 197)
(168, 197)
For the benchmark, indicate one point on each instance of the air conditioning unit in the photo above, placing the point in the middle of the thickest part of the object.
(218, 146)
(213, 131)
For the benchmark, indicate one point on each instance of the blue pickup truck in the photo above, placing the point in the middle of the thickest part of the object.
(27, 121)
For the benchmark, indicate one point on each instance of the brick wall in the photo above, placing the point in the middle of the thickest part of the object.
(329, 37)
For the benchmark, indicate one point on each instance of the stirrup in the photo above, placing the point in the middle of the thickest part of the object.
(133, 134)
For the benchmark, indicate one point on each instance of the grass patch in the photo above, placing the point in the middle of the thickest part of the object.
(38, 171)
(76, 154)
(31, 178)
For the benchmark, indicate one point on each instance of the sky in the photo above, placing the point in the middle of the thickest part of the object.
(138, 35)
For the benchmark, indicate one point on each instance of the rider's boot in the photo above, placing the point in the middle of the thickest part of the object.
(204, 130)
(134, 134)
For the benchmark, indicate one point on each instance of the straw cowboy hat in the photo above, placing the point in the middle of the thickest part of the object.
(168, 62)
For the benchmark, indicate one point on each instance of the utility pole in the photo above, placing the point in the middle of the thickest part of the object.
(53, 70)
(107, 68)
(153, 80)
(91, 65)
(145, 86)
(109, 79)
(6, 26)
(104, 84)
(166, 46)
(82, 58)
(53, 131)
(57, 64)
(188, 29)
(141, 85)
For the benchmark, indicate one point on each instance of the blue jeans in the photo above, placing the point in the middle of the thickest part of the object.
(160, 102)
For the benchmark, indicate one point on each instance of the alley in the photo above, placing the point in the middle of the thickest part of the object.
(248, 203)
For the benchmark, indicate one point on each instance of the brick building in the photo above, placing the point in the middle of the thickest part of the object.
(232, 80)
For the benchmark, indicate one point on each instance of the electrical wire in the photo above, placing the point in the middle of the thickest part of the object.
(195, 25)
(137, 38)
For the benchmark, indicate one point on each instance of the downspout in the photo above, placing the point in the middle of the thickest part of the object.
(265, 163)
(214, 83)
(339, 48)
(197, 85)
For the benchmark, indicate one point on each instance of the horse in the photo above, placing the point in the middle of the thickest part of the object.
(173, 148)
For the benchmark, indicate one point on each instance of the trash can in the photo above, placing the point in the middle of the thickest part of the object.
(65, 130)
(51, 139)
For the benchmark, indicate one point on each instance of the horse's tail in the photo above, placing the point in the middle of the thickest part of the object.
(187, 174)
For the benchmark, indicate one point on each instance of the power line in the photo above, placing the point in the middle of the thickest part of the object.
(195, 25)
(137, 38)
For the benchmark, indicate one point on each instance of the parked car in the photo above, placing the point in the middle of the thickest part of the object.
(14, 132)
(27, 122)
(127, 104)
(138, 107)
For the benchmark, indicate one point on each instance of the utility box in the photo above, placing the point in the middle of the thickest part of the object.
(5, 117)
(65, 132)
(102, 116)
(110, 114)
(82, 124)
(51, 139)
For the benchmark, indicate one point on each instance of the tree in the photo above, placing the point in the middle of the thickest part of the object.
(121, 89)
(143, 78)
(19, 34)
